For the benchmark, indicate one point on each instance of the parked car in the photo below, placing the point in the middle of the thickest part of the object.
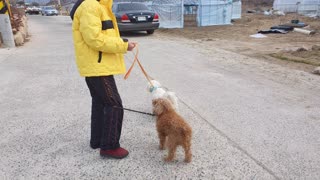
(49, 11)
(33, 10)
(135, 17)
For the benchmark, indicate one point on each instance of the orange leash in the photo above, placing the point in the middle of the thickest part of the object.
(140, 65)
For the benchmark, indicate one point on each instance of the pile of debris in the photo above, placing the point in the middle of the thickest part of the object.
(19, 26)
(294, 25)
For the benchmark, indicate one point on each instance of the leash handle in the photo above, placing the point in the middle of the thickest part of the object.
(144, 72)
(140, 65)
(126, 76)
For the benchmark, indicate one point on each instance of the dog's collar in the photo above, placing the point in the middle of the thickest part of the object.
(152, 88)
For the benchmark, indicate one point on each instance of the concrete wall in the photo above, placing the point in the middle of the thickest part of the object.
(6, 31)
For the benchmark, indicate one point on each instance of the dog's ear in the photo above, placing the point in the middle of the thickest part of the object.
(154, 102)
(157, 106)
(167, 106)
(160, 105)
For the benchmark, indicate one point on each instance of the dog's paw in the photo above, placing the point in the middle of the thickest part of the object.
(187, 160)
(167, 159)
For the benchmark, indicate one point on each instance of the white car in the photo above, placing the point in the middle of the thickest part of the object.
(49, 11)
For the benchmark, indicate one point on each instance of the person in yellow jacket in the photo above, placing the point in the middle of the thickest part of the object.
(99, 51)
(3, 7)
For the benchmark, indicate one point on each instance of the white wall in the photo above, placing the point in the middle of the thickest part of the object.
(6, 31)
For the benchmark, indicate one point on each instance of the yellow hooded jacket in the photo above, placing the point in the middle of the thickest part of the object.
(3, 7)
(98, 47)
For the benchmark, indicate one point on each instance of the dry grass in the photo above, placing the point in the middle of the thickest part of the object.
(301, 55)
(236, 37)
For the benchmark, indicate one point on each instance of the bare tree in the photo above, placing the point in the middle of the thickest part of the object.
(35, 4)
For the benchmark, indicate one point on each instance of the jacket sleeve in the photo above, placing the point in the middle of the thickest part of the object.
(90, 28)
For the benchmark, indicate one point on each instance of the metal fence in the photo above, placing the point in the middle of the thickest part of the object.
(214, 12)
(236, 9)
(309, 9)
(182, 13)
(170, 15)
(304, 7)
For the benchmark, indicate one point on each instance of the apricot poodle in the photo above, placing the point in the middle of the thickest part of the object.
(172, 129)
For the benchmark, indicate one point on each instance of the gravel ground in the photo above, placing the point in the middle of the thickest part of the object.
(251, 119)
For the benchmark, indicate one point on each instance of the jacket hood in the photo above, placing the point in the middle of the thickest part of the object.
(107, 3)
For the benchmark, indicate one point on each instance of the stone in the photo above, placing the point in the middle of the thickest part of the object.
(316, 71)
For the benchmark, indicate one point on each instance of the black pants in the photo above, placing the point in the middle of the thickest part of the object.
(106, 112)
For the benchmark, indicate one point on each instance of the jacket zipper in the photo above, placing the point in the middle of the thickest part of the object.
(100, 57)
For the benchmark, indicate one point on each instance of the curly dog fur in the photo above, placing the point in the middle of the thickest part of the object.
(172, 128)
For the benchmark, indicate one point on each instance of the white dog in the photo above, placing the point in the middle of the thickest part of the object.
(158, 91)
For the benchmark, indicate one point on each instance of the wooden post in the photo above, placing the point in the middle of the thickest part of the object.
(1, 40)
(9, 8)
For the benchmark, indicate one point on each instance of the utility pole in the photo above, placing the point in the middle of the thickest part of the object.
(59, 7)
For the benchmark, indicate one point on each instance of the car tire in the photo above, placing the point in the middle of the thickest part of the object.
(150, 31)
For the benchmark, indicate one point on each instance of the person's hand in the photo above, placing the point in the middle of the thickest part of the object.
(131, 46)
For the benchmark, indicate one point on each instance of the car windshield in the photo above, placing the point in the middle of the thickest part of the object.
(132, 6)
(48, 8)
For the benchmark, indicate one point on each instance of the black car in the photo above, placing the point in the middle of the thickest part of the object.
(135, 17)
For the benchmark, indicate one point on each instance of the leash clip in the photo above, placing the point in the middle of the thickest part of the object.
(152, 88)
